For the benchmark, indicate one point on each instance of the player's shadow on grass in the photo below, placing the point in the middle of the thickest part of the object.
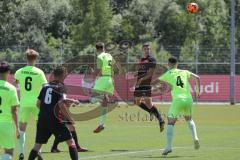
(62, 151)
(119, 150)
(46, 152)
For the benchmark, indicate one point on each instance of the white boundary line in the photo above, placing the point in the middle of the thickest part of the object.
(151, 150)
(124, 153)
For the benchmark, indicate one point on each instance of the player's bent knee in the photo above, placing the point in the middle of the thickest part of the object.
(171, 121)
(71, 143)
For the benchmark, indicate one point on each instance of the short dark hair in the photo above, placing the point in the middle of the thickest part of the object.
(173, 60)
(100, 45)
(146, 44)
(59, 71)
(4, 67)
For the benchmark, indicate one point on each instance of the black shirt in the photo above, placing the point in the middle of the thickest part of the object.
(145, 65)
(49, 96)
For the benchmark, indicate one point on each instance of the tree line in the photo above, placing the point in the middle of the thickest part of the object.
(62, 29)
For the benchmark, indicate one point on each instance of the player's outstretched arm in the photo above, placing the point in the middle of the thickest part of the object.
(69, 101)
(163, 87)
(63, 107)
(196, 78)
(15, 119)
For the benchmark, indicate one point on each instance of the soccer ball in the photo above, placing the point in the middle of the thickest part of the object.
(192, 7)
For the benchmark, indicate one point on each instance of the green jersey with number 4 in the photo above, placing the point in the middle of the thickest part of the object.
(104, 63)
(31, 80)
(178, 80)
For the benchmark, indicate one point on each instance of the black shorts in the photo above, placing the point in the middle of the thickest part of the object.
(45, 130)
(143, 91)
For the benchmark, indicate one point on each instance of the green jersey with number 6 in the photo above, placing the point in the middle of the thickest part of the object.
(31, 80)
(178, 80)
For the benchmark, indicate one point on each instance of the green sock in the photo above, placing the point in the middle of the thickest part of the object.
(169, 136)
(103, 115)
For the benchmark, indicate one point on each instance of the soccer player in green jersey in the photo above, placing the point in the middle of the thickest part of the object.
(104, 83)
(8, 113)
(182, 100)
(31, 79)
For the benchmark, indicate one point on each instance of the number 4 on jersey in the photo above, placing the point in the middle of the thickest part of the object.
(179, 82)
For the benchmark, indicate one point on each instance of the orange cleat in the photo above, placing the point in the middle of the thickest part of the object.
(99, 129)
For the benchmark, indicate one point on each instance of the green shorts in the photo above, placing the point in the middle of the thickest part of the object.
(7, 135)
(26, 113)
(104, 85)
(180, 106)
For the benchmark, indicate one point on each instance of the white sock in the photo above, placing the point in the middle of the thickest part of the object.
(103, 118)
(193, 129)
(169, 136)
(22, 142)
(6, 157)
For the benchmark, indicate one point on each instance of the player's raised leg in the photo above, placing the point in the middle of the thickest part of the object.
(142, 105)
(104, 83)
(193, 130)
(103, 118)
(154, 111)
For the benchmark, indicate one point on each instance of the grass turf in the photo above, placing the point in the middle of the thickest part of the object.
(130, 135)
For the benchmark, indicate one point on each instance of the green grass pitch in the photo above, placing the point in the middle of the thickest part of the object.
(129, 135)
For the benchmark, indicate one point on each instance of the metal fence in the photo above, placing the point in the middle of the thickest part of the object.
(213, 69)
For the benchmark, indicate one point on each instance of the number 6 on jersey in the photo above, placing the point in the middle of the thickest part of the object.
(48, 97)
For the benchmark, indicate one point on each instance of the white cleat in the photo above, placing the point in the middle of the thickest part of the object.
(196, 144)
(166, 151)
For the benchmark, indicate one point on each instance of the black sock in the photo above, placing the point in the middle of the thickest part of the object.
(75, 138)
(156, 113)
(73, 153)
(55, 143)
(33, 154)
(144, 107)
